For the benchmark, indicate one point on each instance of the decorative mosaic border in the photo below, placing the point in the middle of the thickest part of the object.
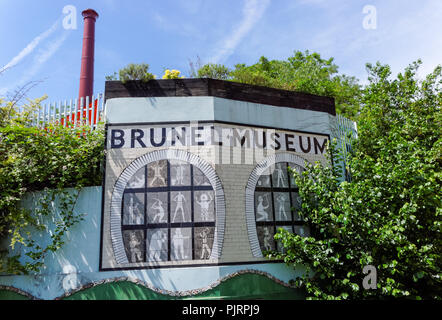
(250, 194)
(166, 154)
(18, 291)
(187, 293)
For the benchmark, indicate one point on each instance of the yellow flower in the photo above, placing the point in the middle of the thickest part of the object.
(174, 74)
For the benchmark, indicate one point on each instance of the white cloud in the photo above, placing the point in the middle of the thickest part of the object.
(31, 46)
(41, 57)
(45, 54)
(252, 13)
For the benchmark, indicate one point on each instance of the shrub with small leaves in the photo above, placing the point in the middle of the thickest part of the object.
(389, 214)
(132, 72)
(214, 71)
(34, 159)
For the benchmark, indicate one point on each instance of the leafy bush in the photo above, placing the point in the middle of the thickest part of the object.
(389, 214)
(214, 71)
(51, 159)
(304, 72)
(133, 72)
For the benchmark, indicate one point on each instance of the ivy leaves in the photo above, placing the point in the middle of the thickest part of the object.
(389, 215)
(47, 160)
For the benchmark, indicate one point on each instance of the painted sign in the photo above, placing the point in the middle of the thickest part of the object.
(215, 135)
(164, 199)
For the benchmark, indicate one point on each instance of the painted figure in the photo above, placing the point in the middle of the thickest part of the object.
(178, 245)
(280, 177)
(179, 200)
(135, 216)
(158, 205)
(135, 252)
(205, 247)
(206, 200)
(157, 175)
(267, 240)
(156, 245)
(180, 171)
(281, 208)
(262, 214)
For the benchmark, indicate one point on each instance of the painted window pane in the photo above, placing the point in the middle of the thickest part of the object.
(179, 173)
(204, 206)
(282, 206)
(157, 174)
(181, 244)
(280, 247)
(296, 204)
(157, 240)
(265, 237)
(203, 242)
(296, 168)
(134, 245)
(199, 179)
(303, 231)
(180, 206)
(157, 207)
(264, 180)
(279, 176)
(138, 180)
(133, 209)
(263, 206)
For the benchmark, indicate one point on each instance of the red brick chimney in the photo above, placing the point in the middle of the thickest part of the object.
(87, 57)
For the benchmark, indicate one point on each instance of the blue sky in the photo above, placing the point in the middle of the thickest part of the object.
(167, 34)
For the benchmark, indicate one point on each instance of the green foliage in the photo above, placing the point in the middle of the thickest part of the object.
(214, 71)
(304, 72)
(50, 159)
(133, 72)
(9, 114)
(53, 211)
(389, 215)
(113, 77)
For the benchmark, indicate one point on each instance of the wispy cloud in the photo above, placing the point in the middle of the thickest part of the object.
(31, 46)
(252, 13)
(40, 56)
(43, 56)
